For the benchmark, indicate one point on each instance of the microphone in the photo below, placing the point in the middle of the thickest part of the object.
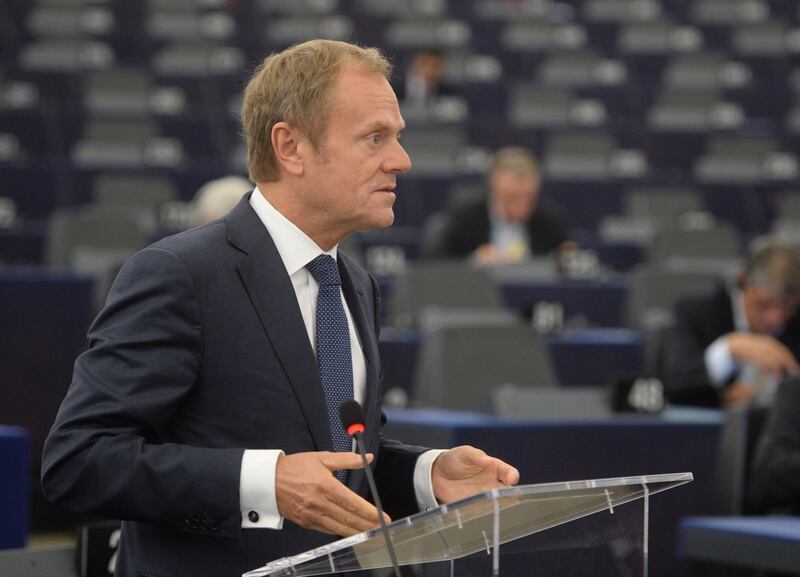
(352, 416)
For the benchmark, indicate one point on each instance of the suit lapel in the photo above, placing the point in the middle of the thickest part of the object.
(270, 289)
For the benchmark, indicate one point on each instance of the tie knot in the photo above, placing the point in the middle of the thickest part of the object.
(324, 270)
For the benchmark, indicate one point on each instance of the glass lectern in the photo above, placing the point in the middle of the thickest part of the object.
(551, 528)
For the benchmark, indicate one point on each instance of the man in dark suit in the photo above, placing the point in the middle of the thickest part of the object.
(773, 484)
(510, 225)
(732, 346)
(201, 415)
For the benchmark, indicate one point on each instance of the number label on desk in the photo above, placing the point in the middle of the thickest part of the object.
(580, 264)
(384, 260)
(547, 317)
(98, 546)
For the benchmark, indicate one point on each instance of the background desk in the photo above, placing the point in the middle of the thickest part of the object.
(14, 474)
(554, 450)
(44, 316)
(581, 357)
(758, 543)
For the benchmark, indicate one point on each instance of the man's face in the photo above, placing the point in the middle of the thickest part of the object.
(349, 180)
(767, 313)
(515, 194)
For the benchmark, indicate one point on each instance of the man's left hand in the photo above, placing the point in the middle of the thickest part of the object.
(465, 471)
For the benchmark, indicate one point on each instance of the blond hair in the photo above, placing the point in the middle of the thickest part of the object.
(515, 159)
(294, 86)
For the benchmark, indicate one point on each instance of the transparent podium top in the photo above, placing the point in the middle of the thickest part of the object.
(478, 523)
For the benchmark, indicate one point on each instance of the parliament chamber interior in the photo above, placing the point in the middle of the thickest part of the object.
(667, 134)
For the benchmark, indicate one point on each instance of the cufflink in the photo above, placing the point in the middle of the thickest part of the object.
(253, 517)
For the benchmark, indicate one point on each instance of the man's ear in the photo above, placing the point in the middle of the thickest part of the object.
(286, 143)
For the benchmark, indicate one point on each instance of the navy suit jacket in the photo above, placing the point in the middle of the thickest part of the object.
(199, 353)
(469, 227)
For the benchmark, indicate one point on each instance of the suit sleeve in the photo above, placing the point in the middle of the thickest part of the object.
(774, 486)
(108, 451)
(686, 379)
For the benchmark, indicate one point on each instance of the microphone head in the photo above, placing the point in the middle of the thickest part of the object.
(352, 417)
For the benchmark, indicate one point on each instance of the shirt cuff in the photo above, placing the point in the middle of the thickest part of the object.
(719, 362)
(423, 483)
(257, 499)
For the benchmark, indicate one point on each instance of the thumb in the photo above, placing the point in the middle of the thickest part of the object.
(338, 461)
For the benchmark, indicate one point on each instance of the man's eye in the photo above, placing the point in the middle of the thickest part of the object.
(375, 139)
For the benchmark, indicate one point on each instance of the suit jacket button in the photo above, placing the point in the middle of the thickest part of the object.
(253, 516)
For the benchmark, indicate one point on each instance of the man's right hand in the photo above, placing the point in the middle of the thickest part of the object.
(766, 352)
(309, 495)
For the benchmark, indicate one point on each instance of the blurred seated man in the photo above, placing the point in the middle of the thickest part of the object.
(773, 485)
(513, 223)
(732, 346)
(423, 83)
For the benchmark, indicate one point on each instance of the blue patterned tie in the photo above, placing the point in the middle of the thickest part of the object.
(333, 349)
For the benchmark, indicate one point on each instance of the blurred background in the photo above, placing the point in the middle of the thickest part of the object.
(665, 134)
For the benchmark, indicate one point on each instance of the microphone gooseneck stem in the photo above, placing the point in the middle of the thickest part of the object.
(374, 489)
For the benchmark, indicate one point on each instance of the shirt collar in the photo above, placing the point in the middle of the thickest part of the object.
(294, 246)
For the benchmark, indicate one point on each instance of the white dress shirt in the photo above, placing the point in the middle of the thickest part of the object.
(257, 481)
(721, 365)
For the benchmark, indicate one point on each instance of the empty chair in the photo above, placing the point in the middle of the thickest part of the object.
(694, 111)
(464, 357)
(69, 20)
(294, 29)
(434, 152)
(705, 71)
(130, 92)
(75, 235)
(619, 228)
(490, 10)
(728, 12)
(394, 9)
(188, 24)
(542, 36)
(581, 69)
(770, 39)
(656, 289)
(96, 240)
(745, 160)
(662, 203)
(720, 242)
(424, 33)
(533, 106)
(440, 284)
(300, 7)
(789, 205)
(616, 11)
(738, 441)
(125, 144)
(659, 37)
(66, 55)
(590, 156)
(514, 401)
(198, 60)
(146, 191)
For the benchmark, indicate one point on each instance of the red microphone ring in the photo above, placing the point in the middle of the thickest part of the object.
(355, 428)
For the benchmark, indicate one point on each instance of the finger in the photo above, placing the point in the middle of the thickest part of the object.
(508, 474)
(348, 503)
(339, 461)
(790, 362)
